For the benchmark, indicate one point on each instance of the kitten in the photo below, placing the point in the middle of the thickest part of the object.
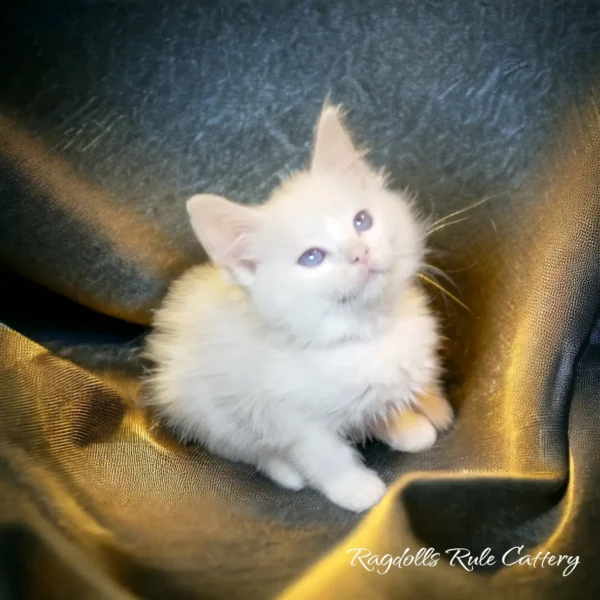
(308, 330)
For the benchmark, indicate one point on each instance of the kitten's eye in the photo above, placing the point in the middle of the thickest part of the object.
(363, 221)
(312, 257)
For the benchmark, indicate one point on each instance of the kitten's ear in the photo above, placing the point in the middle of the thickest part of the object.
(333, 148)
(226, 231)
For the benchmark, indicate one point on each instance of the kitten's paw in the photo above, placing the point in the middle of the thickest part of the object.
(437, 409)
(357, 490)
(410, 432)
(283, 473)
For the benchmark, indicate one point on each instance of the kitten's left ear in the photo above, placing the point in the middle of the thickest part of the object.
(226, 231)
(333, 150)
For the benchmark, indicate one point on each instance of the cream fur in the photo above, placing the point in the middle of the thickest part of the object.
(279, 365)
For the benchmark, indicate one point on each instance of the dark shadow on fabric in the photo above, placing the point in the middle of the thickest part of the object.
(496, 513)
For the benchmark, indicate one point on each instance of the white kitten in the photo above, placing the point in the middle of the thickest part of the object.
(309, 329)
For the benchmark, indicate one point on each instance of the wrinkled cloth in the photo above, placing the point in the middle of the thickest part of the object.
(112, 113)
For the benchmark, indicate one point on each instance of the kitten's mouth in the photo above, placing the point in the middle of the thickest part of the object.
(372, 275)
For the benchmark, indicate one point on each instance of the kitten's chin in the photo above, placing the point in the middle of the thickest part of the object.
(371, 290)
(383, 288)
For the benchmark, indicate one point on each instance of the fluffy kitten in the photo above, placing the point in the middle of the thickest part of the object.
(308, 330)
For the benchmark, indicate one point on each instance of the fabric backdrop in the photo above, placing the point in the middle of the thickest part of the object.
(113, 113)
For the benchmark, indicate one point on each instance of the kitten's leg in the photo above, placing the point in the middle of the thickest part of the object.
(330, 465)
(436, 408)
(282, 472)
(407, 431)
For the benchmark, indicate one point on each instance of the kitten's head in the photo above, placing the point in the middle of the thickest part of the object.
(331, 238)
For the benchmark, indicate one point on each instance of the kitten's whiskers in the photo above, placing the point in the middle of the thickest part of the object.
(437, 271)
(444, 290)
(436, 224)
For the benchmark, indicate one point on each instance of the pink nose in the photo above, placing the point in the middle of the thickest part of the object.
(360, 255)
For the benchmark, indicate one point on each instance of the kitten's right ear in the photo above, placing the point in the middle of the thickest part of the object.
(226, 231)
(334, 150)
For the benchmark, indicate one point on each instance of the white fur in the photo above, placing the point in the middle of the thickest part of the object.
(279, 365)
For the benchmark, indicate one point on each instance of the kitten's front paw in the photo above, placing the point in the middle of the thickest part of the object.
(283, 473)
(410, 432)
(357, 490)
(437, 409)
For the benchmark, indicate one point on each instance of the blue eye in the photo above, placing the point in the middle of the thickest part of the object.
(363, 221)
(312, 257)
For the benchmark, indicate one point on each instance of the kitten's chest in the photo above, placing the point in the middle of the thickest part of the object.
(398, 360)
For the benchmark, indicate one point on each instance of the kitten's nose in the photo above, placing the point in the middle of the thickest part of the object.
(359, 254)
